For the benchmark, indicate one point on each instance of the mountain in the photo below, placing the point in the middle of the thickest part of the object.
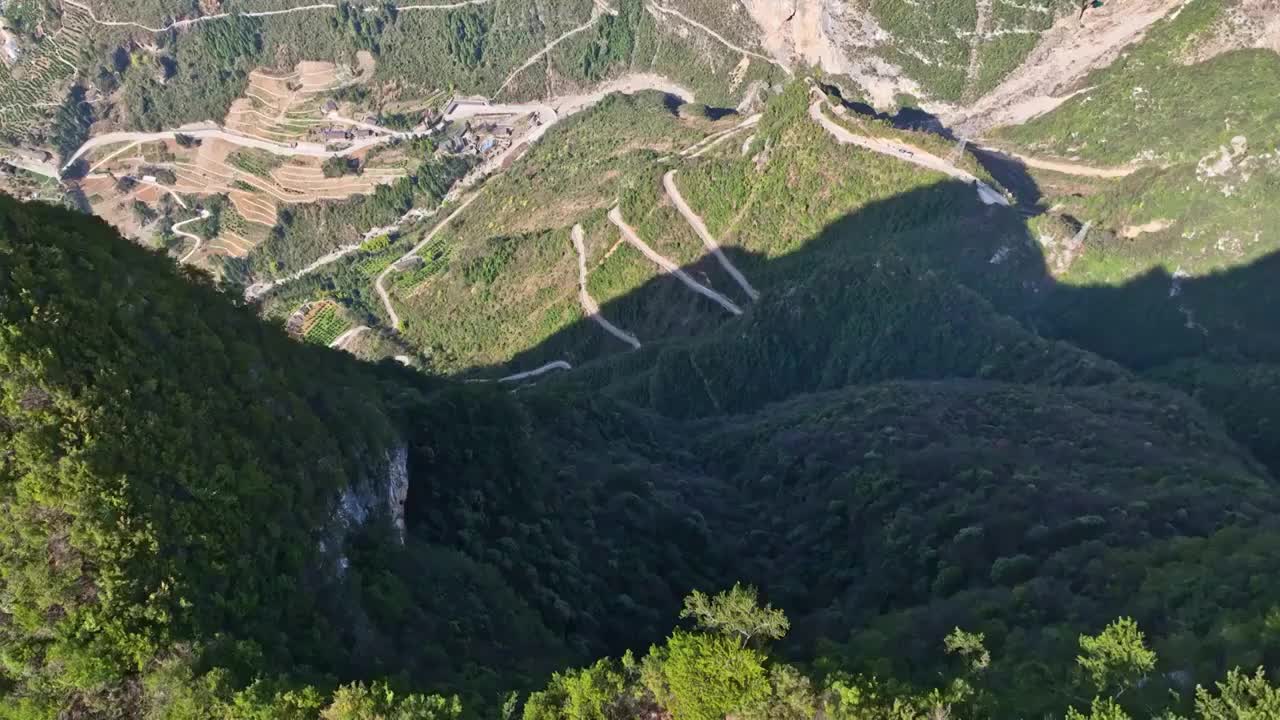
(437, 360)
(189, 488)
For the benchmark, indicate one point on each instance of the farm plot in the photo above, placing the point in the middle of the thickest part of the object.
(323, 323)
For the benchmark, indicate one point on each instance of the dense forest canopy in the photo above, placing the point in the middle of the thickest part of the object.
(196, 523)
(884, 448)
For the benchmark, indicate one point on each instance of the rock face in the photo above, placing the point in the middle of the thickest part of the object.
(397, 486)
(380, 494)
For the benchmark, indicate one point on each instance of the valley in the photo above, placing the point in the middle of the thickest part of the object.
(634, 359)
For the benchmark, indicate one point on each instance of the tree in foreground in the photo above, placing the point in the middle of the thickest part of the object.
(737, 613)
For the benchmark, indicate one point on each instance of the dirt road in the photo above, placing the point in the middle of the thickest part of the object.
(719, 38)
(713, 140)
(550, 113)
(340, 342)
(382, 276)
(257, 290)
(589, 305)
(597, 11)
(210, 130)
(699, 227)
(178, 24)
(177, 230)
(557, 365)
(1066, 167)
(907, 153)
(615, 217)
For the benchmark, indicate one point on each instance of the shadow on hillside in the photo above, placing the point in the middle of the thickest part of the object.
(904, 288)
(927, 285)
(1007, 171)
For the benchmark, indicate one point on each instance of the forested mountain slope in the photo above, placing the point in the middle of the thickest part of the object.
(156, 529)
(949, 327)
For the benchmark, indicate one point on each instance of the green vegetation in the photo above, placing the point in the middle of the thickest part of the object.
(465, 33)
(1208, 178)
(1138, 108)
(930, 32)
(510, 279)
(255, 162)
(194, 79)
(340, 166)
(879, 449)
(71, 124)
(326, 326)
(308, 232)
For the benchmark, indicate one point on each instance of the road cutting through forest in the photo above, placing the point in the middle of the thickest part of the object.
(598, 10)
(700, 228)
(589, 305)
(629, 233)
(340, 342)
(718, 37)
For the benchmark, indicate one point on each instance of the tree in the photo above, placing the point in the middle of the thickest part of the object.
(338, 166)
(1116, 658)
(1241, 697)
(736, 613)
(791, 696)
(578, 694)
(1099, 709)
(378, 701)
(705, 677)
(970, 647)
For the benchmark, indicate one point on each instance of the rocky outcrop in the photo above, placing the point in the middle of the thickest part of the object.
(380, 494)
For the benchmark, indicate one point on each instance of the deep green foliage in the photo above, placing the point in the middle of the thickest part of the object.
(705, 677)
(71, 124)
(465, 33)
(338, 166)
(615, 41)
(310, 231)
(195, 79)
(1117, 658)
(108, 465)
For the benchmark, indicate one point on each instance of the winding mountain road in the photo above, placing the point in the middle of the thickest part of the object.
(177, 230)
(205, 130)
(700, 228)
(589, 305)
(907, 153)
(177, 24)
(557, 365)
(629, 233)
(672, 12)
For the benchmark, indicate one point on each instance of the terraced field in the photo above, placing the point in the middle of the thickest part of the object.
(36, 85)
